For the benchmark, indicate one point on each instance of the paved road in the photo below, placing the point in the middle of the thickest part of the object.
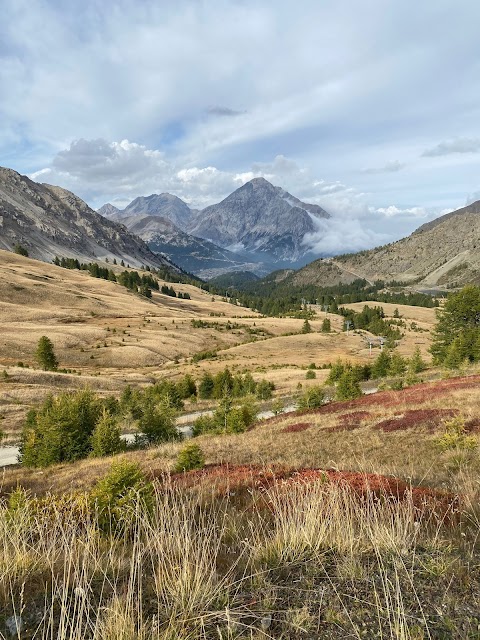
(8, 456)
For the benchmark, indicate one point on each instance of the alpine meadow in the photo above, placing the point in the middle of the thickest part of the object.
(239, 321)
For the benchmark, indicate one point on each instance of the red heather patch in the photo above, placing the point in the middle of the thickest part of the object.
(231, 479)
(295, 428)
(350, 421)
(472, 425)
(418, 394)
(430, 418)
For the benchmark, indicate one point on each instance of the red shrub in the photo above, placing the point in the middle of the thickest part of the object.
(430, 418)
(232, 479)
(299, 426)
(350, 421)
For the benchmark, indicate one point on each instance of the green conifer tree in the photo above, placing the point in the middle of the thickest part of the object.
(45, 354)
(106, 440)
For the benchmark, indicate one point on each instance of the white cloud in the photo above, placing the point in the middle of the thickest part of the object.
(341, 235)
(392, 210)
(101, 171)
(231, 85)
(389, 167)
(459, 145)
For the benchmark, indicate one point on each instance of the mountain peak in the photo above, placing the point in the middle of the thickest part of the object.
(262, 219)
(261, 182)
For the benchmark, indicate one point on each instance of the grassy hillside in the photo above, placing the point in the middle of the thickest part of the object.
(107, 337)
(356, 519)
(270, 539)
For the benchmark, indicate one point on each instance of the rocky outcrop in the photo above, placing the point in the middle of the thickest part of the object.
(49, 221)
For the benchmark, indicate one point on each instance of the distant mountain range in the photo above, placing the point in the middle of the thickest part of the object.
(49, 221)
(259, 227)
(443, 253)
(265, 223)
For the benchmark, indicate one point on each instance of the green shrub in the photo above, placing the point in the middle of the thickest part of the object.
(187, 387)
(455, 436)
(106, 440)
(241, 418)
(264, 390)
(117, 496)
(61, 429)
(227, 418)
(18, 248)
(348, 387)
(157, 422)
(312, 398)
(310, 375)
(278, 406)
(204, 424)
(190, 457)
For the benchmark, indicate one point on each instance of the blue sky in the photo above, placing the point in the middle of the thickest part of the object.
(371, 109)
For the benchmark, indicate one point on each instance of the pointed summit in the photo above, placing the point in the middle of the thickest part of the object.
(260, 219)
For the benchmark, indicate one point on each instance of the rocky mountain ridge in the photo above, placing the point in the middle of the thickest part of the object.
(262, 220)
(195, 255)
(258, 227)
(48, 221)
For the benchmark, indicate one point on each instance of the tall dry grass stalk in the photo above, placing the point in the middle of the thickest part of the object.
(182, 571)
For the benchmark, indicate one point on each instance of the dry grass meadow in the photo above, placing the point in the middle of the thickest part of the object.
(352, 520)
(310, 525)
(108, 337)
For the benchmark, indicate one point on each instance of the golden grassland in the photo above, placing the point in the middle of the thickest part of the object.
(288, 532)
(109, 337)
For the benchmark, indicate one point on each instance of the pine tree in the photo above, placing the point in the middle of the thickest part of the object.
(348, 387)
(157, 422)
(381, 366)
(306, 328)
(398, 364)
(326, 325)
(45, 354)
(106, 440)
(454, 357)
(205, 388)
(458, 320)
(417, 364)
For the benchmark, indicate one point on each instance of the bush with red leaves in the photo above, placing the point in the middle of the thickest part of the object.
(295, 428)
(429, 418)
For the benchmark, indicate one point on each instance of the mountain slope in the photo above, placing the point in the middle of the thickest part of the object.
(444, 252)
(261, 219)
(49, 221)
(164, 205)
(195, 255)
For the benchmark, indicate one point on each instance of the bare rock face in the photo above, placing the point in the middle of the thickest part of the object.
(260, 219)
(164, 205)
(50, 221)
(258, 228)
(110, 211)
